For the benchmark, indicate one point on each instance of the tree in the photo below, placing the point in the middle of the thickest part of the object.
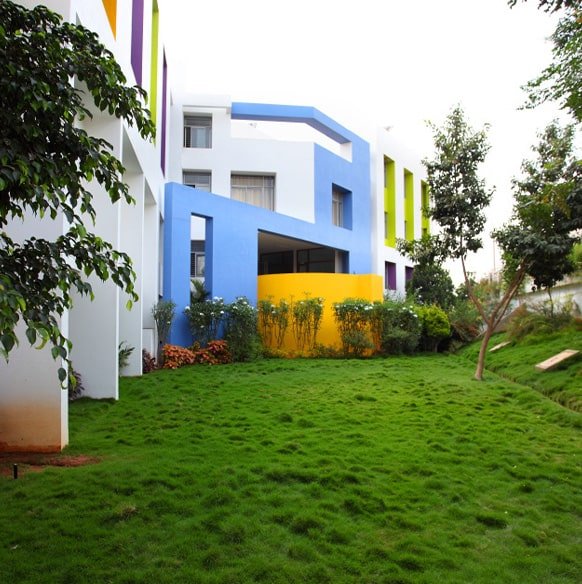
(551, 5)
(51, 71)
(430, 282)
(548, 201)
(545, 200)
(560, 81)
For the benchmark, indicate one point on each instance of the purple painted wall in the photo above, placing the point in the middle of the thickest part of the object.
(137, 39)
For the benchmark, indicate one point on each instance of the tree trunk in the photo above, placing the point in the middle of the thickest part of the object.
(483, 351)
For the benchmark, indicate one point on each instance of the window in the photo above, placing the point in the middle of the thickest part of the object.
(337, 207)
(390, 275)
(386, 225)
(258, 190)
(194, 178)
(197, 259)
(341, 207)
(197, 132)
(320, 259)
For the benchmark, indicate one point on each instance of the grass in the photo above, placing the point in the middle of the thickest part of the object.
(517, 362)
(401, 470)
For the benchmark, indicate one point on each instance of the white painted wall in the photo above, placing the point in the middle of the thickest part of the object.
(290, 161)
(33, 407)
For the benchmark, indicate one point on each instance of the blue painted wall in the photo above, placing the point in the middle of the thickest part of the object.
(232, 227)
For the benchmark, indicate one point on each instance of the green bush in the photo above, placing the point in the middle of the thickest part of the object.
(306, 320)
(435, 326)
(465, 321)
(273, 321)
(353, 317)
(395, 327)
(205, 319)
(241, 330)
(540, 319)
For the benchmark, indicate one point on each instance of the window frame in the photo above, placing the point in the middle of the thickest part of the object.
(197, 122)
(267, 192)
(200, 173)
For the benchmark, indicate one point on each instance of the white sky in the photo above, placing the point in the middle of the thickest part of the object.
(371, 63)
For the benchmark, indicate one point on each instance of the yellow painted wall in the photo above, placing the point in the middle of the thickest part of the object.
(409, 205)
(331, 287)
(390, 201)
(153, 97)
(424, 207)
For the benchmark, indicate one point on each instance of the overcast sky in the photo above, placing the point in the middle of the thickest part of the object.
(371, 63)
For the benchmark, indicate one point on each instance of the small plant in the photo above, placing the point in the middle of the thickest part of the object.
(124, 351)
(199, 293)
(148, 363)
(307, 315)
(75, 386)
(163, 313)
(241, 330)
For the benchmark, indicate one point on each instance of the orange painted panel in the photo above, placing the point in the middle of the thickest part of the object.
(111, 10)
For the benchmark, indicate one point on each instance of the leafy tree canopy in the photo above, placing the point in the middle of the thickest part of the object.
(551, 5)
(561, 81)
(547, 210)
(458, 195)
(430, 282)
(51, 72)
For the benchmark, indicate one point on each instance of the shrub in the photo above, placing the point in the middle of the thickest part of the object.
(540, 319)
(465, 321)
(175, 357)
(395, 327)
(123, 353)
(205, 319)
(215, 353)
(241, 330)
(435, 326)
(307, 315)
(353, 317)
(273, 321)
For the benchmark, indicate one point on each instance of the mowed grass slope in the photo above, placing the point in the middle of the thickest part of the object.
(397, 471)
(517, 361)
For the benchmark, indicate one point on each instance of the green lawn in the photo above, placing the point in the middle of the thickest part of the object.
(394, 470)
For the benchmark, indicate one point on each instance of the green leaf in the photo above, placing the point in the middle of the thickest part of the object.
(31, 335)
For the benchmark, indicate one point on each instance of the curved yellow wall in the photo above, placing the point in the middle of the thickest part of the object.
(331, 287)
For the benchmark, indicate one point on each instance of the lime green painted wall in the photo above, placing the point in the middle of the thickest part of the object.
(408, 205)
(424, 206)
(389, 202)
(154, 63)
